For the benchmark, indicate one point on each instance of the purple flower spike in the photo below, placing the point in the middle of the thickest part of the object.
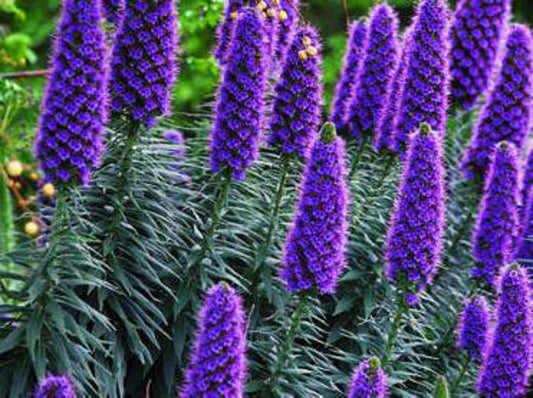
(69, 140)
(225, 29)
(505, 369)
(426, 87)
(414, 242)
(385, 124)
(525, 243)
(315, 247)
(113, 10)
(55, 387)
(375, 74)
(368, 380)
(473, 327)
(497, 221)
(144, 60)
(287, 24)
(477, 29)
(298, 105)
(236, 133)
(217, 367)
(506, 116)
(347, 81)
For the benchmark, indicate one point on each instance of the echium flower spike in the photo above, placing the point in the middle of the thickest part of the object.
(144, 60)
(524, 245)
(346, 84)
(506, 366)
(298, 104)
(414, 241)
(384, 137)
(315, 248)
(288, 18)
(497, 221)
(375, 74)
(476, 31)
(217, 367)
(69, 140)
(474, 327)
(425, 92)
(55, 387)
(506, 116)
(225, 29)
(113, 10)
(236, 134)
(369, 380)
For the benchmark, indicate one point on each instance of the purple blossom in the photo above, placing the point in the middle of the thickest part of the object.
(425, 93)
(226, 27)
(287, 24)
(506, 116)
(375, 74)
(113, 10)
(217, 367)
(473, 327)
(414, 241)
(368, 380)
(505, 369)
(298, 104)
(55, 387)
(347, 81)
(525, 242)
(144, 60)
(238, 121)
(69, 140)
(476, 31)
(315, 247)
(497, 221)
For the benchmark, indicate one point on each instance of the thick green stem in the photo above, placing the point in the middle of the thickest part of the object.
(464, 369)
(132, 136)
(401, 309)
(7, 225)
(288, 342)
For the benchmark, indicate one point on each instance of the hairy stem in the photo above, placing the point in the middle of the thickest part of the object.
(401, 309)
(464, 369)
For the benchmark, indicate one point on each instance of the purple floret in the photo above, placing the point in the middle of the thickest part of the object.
(236, 133)
(414, 241)
(315, 247)
(506, 116)
(55, 387)
(69, 140)
(217, 367)
(497, 222)
(286, 27)
(113, 10)
(525, 242)
(144, 60)
(298, 96)
(225, 28)
(473, 327)
(368, 380)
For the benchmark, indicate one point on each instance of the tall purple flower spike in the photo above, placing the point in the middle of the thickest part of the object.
(375, 74)
(348, 78)
(506, 366)
(368, 380)
(525, 243)
(497, 222)
(69, 140)
(238, 121)
(217, 367)
(474, 327)
(55, 387)
(506, 116)
(287, 24)
(144, 60)
(315, 247)
(425, 93)
(414, 241)
(477, 29)
(225, 29)
(298, 104)
(384, 137)
(113, 10)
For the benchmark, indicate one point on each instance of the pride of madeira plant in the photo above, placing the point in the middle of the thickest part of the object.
(262, 251)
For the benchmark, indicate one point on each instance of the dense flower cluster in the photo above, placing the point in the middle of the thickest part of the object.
(414, 241)
(113, 10)
(497, 221)
(506, 116)
(346, 83)
(477, 29)
(473, 327)
(143, 63)
(217, 367)
(525, 243)
(226, 27)
(69, 141)
(55, 387)
(385, 125)
(375, 74)
(298, 105)
(314, 252)
(287, 24)
(425, 92)
(368, 380)
(506, 366)
(241, 99)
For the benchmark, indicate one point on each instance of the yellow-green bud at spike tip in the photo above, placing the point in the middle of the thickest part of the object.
(441, 390)
(425, 129)
(374, 363)
(328, 133)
